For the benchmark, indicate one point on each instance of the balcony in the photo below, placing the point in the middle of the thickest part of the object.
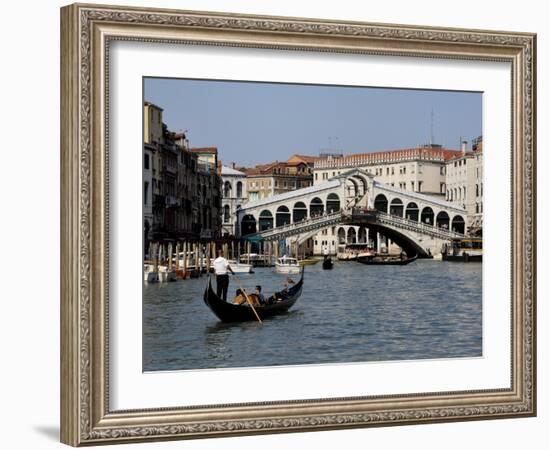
(171, 169)
(206, 167)
(171, 201)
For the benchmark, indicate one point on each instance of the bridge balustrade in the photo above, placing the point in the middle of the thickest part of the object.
(418, 226)
(302, 226)
(374, 215)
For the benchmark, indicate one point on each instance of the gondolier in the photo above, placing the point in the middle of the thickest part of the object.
(221, 269)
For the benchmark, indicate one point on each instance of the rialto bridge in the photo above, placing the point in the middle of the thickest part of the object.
(417, 222)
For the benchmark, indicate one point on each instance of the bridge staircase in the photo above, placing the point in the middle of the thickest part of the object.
(307, 226)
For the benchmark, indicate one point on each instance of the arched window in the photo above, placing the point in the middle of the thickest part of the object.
(396, 207)
(299, 212)
(381, 203)
(333, 203)
(316, 207)
(341, 235)
(282, 216)
(458, 225)
(239, 189)
(248, 225)
(226, 214)
(411, 212)
(266, 220)
(442, 220)
(227, 189)
(427, 216)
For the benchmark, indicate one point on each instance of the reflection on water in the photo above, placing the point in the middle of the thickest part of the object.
(427, 309)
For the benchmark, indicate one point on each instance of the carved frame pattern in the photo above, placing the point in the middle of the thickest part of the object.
(86, 418)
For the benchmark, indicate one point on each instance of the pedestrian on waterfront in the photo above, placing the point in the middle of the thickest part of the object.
(221, 267)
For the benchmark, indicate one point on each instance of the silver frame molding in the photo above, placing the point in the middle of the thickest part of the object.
(86, 33)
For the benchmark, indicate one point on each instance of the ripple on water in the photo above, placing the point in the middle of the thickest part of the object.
(353, 313)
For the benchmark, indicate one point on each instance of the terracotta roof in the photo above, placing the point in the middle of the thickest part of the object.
(461, 155)
(383, 157)
(269, 170)
(305, 158)
(446, 153)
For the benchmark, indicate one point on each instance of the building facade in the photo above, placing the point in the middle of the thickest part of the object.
(152, 142)
(208, 194)
(464, 182)
(233, 196)
(266, 180)
(148, 152)
(420, 169)
(181, 186)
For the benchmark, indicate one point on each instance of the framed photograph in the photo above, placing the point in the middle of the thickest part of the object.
(276, 224)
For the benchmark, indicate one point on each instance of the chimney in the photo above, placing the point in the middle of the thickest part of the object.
(463, 147)
(233, 165)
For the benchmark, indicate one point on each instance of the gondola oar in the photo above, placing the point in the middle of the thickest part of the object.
(247, 299)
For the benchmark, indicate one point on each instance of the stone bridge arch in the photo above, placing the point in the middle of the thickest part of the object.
(265, 221)
(409, 244)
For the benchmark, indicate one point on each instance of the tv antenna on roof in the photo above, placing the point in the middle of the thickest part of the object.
(432, 127)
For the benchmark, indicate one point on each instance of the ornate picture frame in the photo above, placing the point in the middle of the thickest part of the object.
(87, 31)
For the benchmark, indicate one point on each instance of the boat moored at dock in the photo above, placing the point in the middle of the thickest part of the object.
(463, 250)
(386, 260)
(350, 252)
(237, 267)
(287, 265)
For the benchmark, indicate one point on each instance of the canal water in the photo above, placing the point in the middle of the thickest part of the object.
(353, 313)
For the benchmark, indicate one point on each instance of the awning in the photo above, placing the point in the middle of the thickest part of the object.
(254, 238)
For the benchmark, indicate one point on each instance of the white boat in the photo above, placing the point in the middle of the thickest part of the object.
(464, 250)
(237, 267)
(149, 274)
(166, 274)
(287, 265)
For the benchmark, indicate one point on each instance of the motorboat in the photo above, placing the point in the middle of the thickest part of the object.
(287, 265)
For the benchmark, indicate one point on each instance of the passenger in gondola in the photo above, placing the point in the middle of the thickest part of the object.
(241, 298)
(278, 296)
(258, 294)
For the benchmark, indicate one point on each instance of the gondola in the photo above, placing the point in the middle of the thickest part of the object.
(327, 263)
(228, 312)
(385, 261)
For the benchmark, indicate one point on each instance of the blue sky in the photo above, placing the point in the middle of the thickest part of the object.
(254, 123)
